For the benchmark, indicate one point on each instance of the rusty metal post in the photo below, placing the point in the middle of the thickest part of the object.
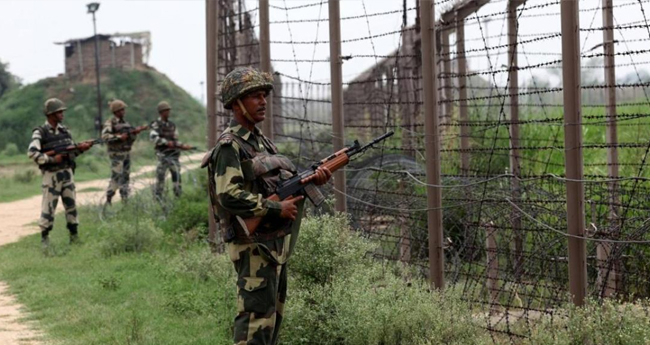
(462, 94)
(610, 276)
(212, 37)
(432, 146)
(337, 98)
(265, 63)
(573, 150)
(515, 168)
(446, 76)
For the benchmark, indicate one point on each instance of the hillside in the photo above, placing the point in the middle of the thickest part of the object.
(21, 109)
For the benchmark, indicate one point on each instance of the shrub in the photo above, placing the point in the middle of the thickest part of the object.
(371, 306)
(343, 296)
(11, 149)
(201, 264)
(129, 237)
(25, 176)
(604, 322)
(189, 212)
(327, 247)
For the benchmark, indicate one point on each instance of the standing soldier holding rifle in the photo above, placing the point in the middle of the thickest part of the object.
(119, 136)
(244, 170)
(168, 149)
(53, 149)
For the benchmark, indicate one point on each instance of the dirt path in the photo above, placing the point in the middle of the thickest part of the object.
(19, 220)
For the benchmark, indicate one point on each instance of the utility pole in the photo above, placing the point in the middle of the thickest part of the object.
(92, 8)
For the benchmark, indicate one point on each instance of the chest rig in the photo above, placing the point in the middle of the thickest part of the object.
(166, 130)
(263, 169)
(119, 146)
(50, 141)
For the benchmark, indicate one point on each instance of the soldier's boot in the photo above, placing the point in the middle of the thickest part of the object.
(45, 237)
(109, 199)
(74, 233)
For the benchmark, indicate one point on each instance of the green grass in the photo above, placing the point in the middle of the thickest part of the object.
(169, 289)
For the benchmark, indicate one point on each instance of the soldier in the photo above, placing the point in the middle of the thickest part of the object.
(57, 170)
(119, 136)
(168, 149)
(244, 169)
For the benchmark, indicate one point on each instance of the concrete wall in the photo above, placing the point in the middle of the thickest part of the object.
(80, 56)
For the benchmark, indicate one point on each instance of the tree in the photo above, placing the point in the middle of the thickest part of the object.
(8, 81)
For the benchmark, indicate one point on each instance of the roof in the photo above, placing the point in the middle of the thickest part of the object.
(143, 35)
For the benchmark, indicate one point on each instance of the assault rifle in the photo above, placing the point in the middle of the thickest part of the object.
(68, 149)
(137, 130)
(301, 184)
(181, 146)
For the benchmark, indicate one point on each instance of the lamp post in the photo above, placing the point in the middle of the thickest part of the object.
(92, 8)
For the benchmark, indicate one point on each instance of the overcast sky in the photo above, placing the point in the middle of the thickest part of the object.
(28, 30)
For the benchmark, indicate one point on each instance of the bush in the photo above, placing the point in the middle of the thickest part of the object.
(604, 322)
(346, 297)
(129, 237)
(202, 265)
(25, 176)
(326, 248)
(11, 149)
(189, 212)
(372, 306)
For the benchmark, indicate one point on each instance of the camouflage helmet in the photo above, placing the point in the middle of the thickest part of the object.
(162, 106)
(53, 105)
(117, 105)
(242, 81)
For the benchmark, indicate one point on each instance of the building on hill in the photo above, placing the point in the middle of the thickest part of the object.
(119, 50)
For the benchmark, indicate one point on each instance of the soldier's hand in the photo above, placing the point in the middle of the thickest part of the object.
(124, 136)
(322, 175)
(186, 147)
(171, 144)
(289, 207)
(58, 158)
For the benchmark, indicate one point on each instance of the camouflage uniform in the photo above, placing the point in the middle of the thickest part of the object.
(163, 132)
(119, 154)
(57, 179)
(244, 169)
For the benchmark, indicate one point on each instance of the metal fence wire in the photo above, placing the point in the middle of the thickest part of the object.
(502, 92)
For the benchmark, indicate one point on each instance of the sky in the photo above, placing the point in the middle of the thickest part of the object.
(28, 30)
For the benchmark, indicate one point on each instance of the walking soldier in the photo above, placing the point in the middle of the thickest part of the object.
(164, 134)
(57, 170)
(119, 136)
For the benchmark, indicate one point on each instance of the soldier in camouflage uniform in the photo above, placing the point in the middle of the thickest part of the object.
(57, 170)
(244, 169)
(119, 136)
(168, 149)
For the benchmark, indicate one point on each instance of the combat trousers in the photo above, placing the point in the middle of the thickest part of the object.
(120, 174)
(58, 184)
(171, 163)
(261, 290)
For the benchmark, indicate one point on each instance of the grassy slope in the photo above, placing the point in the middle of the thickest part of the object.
(20, 111)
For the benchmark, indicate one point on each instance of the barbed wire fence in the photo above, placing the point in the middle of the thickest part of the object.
(543, 170)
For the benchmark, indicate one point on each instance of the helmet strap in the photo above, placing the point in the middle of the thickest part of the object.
(245, 112)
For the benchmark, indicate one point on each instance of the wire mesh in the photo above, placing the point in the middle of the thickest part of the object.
(503, 178)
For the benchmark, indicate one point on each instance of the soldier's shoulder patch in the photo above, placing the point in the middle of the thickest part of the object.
(226, 139)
